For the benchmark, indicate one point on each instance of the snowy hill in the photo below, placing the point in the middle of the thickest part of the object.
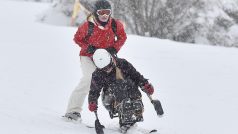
(39, 67)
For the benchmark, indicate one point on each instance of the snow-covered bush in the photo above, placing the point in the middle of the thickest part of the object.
(61, 10)
(233, 14)
(39, 0)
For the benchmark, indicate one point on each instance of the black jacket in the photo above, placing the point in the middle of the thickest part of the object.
(102, 80)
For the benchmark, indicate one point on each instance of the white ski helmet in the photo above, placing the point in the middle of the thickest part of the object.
(101, 58)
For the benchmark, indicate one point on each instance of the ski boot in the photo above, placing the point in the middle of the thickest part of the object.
(124, 128)
(72, 116)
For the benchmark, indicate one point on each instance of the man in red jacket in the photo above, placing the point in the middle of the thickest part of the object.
(100, 31)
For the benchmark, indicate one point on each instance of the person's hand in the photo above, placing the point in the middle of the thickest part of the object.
(112, 50)
(92, 106)
(91, 49)
(148, 88)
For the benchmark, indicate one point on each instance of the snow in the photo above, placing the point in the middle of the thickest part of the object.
(39, 67)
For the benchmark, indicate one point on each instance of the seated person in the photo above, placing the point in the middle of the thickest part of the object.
(120, 83)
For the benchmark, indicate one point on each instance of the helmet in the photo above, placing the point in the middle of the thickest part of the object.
(102, 58)
(102, 4)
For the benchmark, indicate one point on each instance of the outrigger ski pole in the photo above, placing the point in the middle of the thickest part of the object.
(98, 127)
(157, 105)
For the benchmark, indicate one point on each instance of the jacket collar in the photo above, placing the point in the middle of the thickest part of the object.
(94, 21)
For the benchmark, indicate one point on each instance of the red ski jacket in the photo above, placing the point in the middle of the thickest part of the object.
(101, 37)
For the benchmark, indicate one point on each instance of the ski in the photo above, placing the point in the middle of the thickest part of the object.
(146, 131)
(141, 130)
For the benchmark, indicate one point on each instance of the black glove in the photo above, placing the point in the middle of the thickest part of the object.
(112, 51)
(91, 49)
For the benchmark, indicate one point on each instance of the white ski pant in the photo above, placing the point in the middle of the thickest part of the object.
(82, 89)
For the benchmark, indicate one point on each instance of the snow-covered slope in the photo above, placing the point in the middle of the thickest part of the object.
(39, 67)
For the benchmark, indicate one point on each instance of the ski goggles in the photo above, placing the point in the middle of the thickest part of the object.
(104, 11)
